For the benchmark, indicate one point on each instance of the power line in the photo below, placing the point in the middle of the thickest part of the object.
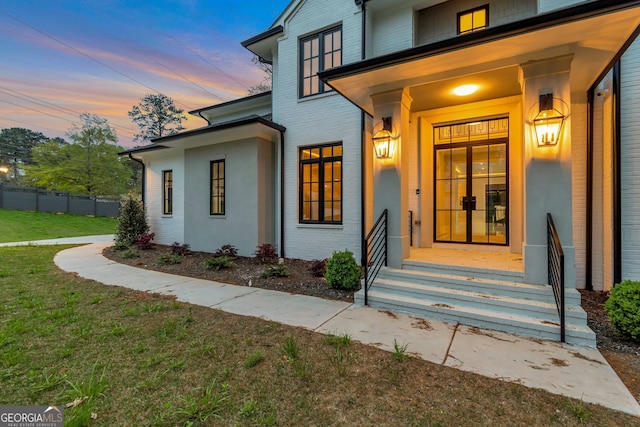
(186, 78)
(87, 56)
(207, 61)
(64, 110)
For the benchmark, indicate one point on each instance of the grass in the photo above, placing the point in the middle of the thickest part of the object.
(21, 226)
(135, 358)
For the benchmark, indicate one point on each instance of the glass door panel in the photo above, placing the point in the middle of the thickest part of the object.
(451, 187)
(471, 204)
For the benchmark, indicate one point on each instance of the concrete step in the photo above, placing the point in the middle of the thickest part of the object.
(541, 309)
(481, 273)
(484, 298)
(448, 278)
(455, 312)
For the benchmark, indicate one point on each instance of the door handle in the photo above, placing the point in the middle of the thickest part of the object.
(468, 203)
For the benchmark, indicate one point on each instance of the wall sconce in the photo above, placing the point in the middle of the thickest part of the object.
(384, 140)
(548, 122)
(4, 169)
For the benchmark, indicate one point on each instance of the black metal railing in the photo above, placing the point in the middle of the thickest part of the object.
(375, 252)
(555, 259)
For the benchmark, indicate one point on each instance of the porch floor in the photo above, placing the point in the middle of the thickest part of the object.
(504, 261)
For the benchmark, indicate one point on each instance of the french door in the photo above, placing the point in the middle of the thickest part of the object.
(471, 182)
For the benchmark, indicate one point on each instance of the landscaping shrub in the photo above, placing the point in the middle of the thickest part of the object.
(267, 253)
(218, 263)
(144, 242)
(178, 249)
(318, 267)
(132, 222)
(343, 271)
(169, 258)
(226, 250)
(623, 308)
(279, 270)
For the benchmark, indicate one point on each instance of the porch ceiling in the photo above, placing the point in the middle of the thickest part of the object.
(594, 34)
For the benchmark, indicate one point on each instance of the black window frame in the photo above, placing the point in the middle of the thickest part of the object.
(471, 11)
(322, 87)
(321, 161)
(214, 183)
(167, 192)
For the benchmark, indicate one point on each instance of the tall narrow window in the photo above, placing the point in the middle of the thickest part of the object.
(321, 184)
(167, 194)
(473, 19)
(319, 52)
(217, 188)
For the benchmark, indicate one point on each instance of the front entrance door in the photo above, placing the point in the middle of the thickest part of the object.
(471, 182)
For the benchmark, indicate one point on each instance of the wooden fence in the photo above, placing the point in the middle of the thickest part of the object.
(39, 200)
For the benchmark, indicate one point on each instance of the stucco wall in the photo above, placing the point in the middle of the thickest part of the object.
(630, 162)
(317, 120)
(246, 221)
(167, 228)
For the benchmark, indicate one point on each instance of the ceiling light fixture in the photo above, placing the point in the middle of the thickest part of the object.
(465, 90)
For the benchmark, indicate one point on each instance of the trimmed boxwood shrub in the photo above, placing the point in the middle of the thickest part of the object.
(623, 308)
(342, 271)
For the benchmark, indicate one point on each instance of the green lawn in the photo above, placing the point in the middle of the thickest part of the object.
(140, 359)
(19, 226)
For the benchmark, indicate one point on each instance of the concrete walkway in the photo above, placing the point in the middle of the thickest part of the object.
(578, 372)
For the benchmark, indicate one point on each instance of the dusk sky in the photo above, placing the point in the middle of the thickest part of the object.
(62, 58)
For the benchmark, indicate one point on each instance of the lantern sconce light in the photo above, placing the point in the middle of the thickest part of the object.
(548, 122)
(4, 169)
(384, 139)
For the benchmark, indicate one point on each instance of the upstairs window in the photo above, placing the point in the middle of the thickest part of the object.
(167, 194)
(473, 19)
(319, 52)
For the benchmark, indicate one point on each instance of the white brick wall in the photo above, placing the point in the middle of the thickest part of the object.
(168, 228)
(317, 120)
(579, 186)
(392, 29)
(630, 162)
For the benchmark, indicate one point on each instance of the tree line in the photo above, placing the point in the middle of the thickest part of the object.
(87, 162)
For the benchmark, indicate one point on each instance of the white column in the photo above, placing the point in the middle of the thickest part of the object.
(547, 172)
(391, 176)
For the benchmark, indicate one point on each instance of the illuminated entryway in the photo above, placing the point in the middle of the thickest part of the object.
(471, 182)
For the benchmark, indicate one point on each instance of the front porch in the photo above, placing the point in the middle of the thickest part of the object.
(495, 260)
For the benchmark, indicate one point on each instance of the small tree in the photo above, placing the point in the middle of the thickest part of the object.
(267, 79)
(132, 222)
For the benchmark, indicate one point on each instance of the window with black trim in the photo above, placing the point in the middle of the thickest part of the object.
(473, 19)
(319, 52)
(321, 184)
(167, 192)
(217, 206)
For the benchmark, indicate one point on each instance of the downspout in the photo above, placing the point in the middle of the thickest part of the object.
(281, 194)
(363, 162)
(589, 244)
(204, 118)
(617, 199)
(144, 175)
